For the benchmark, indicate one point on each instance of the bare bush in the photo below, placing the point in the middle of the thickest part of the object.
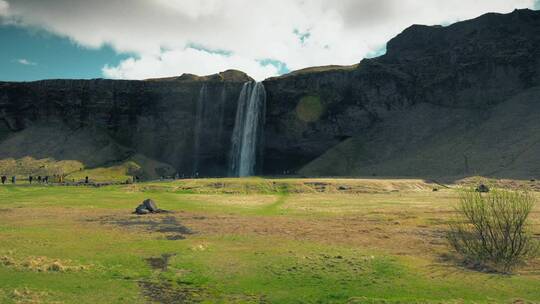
(491, 229)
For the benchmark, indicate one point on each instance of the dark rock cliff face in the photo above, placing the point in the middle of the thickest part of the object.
(473, 64)
(468, 68)
(155, 118)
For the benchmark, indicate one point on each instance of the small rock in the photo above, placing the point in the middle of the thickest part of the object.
(56, 266)
(482, 188)
(141, 209)
(175, 237)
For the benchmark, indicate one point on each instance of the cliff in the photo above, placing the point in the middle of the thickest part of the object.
(443, 101)
(102, 122)
(432, 84)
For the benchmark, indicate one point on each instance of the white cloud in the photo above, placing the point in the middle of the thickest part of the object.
(25, 61)
(174, 62)
(158, 31)
(4, 6)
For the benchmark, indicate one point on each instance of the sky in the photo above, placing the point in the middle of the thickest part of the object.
(139, 39)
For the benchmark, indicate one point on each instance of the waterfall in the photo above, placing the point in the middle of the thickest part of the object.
(221, 113)
(199, 118)
(247, 131)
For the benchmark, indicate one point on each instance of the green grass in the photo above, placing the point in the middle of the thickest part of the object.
(257, 240)
(25, 166)
(119, 173)
(76, 171)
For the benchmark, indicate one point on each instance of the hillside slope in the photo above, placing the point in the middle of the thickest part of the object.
(434, 141)
(56, 149)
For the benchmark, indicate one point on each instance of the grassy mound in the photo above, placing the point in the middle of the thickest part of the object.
(49, 150)
(138, 165)
(23, 167)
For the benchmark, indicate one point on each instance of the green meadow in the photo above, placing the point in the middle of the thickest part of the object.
(243, 241)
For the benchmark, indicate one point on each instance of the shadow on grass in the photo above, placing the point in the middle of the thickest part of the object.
(168, 225)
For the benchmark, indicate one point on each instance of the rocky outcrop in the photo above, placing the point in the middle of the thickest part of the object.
(433, 84)
(155, 118)
(471, 65)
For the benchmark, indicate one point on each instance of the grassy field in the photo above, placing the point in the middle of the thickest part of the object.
(242, 241)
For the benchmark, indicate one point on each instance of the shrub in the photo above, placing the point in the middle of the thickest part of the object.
(491, 229)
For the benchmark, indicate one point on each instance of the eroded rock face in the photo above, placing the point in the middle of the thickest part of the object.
(351, 100)
(468, 67)
(155, 118)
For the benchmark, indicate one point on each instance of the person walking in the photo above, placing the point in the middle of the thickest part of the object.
(4, 178)
(30, 178)
(13, 179)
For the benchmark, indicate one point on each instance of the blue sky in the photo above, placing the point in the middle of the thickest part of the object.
(31, 54)
(98, 39)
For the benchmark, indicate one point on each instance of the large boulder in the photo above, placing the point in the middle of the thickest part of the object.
(150, 205)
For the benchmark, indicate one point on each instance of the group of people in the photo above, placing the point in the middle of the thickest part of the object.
(40, 179)
(13, 179)
(44, 179)
(60, 179)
